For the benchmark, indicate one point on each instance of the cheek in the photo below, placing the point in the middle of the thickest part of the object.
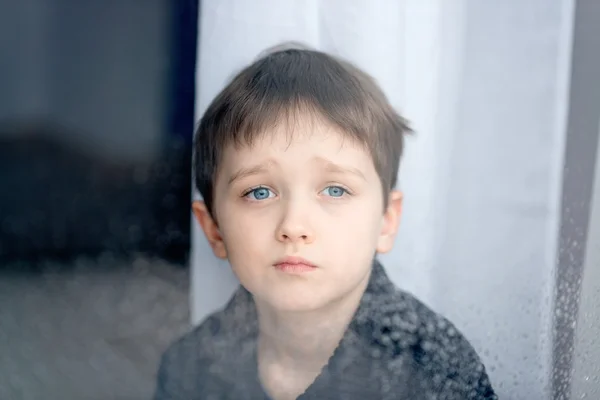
(245, 235)
(356, 230)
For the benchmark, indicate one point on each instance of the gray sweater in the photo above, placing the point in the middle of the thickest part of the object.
(394, 348)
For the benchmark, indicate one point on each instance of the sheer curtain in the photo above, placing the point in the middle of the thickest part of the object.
(485, 85)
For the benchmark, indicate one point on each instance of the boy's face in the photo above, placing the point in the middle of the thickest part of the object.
(316, 196)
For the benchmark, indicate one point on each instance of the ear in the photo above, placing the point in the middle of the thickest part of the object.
(391, 221)
(210, 228)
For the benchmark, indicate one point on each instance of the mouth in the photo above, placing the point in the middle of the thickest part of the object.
(294, 265)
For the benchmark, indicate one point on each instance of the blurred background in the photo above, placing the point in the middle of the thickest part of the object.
(96, 124)
(100, 267)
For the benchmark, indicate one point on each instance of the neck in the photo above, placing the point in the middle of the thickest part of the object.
(305, 340)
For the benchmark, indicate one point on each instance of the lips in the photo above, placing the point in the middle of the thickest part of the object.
(294, 264)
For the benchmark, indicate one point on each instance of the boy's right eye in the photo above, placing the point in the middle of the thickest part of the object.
(259, 193)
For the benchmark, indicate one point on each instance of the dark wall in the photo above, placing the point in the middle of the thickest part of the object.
(95, 137)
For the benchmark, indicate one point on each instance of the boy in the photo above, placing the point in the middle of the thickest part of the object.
(296, 160)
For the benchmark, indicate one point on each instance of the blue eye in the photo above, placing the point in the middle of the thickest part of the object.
(260, 193)
(335, 191)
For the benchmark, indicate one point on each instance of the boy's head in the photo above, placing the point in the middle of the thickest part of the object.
(298, 156)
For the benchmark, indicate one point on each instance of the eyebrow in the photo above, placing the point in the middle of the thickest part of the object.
(332, 167)
(263, 168)
(250, 171)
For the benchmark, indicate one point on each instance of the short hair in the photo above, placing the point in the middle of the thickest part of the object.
(294, 81)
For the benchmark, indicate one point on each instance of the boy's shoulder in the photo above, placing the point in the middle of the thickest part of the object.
(205, 358)
(400, 330)
(218, 334)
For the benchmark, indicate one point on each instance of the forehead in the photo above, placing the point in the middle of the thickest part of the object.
(302, 142)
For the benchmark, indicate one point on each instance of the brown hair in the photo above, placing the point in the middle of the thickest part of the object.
(294, 81)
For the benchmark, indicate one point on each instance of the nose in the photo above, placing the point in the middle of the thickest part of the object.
(295, 225)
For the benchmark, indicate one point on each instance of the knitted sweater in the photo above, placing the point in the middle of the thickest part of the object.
(394, 348)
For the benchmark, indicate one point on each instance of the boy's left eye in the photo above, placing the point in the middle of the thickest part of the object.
(334, 191)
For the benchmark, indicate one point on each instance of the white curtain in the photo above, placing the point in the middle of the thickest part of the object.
(485, 85)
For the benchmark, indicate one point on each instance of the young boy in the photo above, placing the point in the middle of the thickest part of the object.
(297, 160)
